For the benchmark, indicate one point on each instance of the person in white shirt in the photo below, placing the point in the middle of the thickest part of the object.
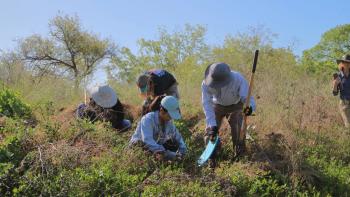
(224, 93)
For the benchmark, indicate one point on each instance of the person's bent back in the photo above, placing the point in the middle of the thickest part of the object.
(104, 105)
(154, 83)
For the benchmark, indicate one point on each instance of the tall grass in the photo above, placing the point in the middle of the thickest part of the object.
(301, 147)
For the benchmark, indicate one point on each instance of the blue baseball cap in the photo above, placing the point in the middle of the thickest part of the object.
(171, 104)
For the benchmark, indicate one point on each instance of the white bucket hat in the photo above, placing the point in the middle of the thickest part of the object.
(104, 96)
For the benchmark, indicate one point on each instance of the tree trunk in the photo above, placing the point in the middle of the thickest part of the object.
(76, 79)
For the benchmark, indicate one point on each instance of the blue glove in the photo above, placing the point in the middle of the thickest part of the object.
(80, 110)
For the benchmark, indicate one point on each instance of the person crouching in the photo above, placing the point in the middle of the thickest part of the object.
(157, 133)
(104, 105)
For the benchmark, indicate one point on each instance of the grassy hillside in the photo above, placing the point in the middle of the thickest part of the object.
(300, 147)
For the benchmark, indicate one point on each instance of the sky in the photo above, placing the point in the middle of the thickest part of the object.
(300, 23)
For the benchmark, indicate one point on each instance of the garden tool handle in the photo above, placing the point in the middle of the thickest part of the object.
(247, 102)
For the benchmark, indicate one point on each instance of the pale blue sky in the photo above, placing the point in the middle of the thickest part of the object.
(125, 22)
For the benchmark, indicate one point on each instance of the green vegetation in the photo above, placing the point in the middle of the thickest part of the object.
(333, 45)
(300, 147)
(12, 106)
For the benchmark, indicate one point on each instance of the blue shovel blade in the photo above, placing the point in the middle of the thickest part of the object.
(208, 151)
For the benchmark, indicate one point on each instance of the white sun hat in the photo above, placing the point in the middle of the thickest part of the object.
(104, 96)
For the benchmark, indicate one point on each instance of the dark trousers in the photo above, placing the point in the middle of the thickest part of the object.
(233, 113)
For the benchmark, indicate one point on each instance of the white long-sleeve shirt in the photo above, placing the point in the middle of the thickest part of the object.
(233, 93)
(150, 132)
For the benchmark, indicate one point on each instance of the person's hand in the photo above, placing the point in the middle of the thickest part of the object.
(248, 110)
(212, 132)
(179, 156)
(336, 81)
(159, 155)
(155, 104)
(80, 110)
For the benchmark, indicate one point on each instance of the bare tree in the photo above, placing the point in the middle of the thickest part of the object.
(68, 51)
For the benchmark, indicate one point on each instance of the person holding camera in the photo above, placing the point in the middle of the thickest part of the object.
(341, 87)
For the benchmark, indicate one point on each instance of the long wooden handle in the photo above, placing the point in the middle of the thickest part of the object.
(247, 102)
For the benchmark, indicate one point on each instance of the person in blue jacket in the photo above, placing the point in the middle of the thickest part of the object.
(158, 134)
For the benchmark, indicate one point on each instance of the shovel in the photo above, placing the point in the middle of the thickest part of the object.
(242, 134)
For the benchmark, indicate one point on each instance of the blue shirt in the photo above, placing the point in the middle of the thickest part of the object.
(236, 91)
(344, 86)
(154, 135)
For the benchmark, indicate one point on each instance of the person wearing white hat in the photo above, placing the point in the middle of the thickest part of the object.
(104, 105)
(158, 134)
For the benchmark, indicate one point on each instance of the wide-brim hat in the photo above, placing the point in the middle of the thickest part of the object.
(345, 58)
(171, 104)
(104, 96)
(217, 75)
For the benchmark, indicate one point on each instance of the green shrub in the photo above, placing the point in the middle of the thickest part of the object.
(12, 106)
(96, 180)
(241, 182)
(11, 150)
(268, 186)
(180, 188)
(335, 178)
(7, 177)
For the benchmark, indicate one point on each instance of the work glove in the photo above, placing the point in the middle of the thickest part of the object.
(80, 110)
(248, 111)
(212, 132)
(171, 156)
(179, 156)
